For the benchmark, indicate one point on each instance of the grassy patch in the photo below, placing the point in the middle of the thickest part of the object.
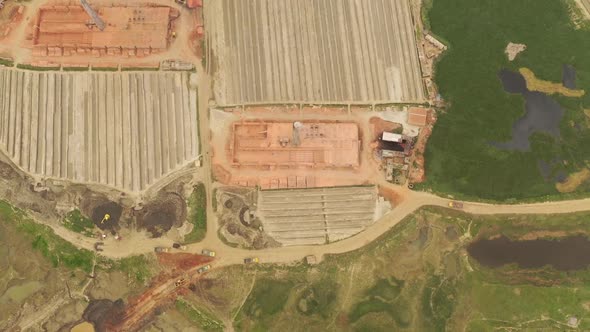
(459, 157)
(214, 199)
(105, 68)
(62, 253)
(438, 302)
(78, 223)
(534, 83)
(197, 203)
(403, 281)
(36, 68)
(573, 181)
(140, 68)
(75, 68)
(382, 298)
(268, 298)
(136, 267)
(319, 298)
(6, 62)
(58, 251)
(199, 317)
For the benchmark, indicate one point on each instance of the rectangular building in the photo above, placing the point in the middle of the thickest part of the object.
(285, 144)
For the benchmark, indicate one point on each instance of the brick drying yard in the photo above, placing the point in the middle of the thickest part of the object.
(308, 51)
(316, 216)
(124, 129)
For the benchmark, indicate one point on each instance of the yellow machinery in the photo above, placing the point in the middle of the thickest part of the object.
(105, 218)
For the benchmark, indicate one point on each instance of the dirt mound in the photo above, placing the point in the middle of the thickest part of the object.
(104, 313)
(161, 214)
(182, 261)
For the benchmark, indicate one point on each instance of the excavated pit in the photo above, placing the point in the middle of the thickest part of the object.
(161, 214)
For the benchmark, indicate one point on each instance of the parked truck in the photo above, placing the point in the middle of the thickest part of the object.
(455, 205)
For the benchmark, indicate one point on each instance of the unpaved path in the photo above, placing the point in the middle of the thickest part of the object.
(228, 255)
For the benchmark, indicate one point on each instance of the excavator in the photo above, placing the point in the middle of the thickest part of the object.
(105, 218)
(96, 20)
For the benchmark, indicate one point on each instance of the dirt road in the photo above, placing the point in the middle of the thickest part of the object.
(227, 255)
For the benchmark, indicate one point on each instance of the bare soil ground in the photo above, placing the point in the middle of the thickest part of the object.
(573, 181)
(535, 84)
(220, 125)
(512, 50)
(380, 125)
(181, 47)
(162, 213)
(182, 261)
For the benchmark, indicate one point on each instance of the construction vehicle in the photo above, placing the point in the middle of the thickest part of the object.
(455, 205)
(204, 268)
(207, 252)
(251, 260)
(161, 249)
(178, 246)
(105, 218)
(96, 20)
(98, 246)
(180, 282)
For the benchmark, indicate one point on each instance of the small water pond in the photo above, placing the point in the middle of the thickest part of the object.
(569, 253)
(542, 113)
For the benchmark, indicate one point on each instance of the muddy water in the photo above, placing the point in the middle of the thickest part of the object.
(542, 113)
(570, 253)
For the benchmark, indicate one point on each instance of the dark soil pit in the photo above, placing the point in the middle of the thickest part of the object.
(163, 213)
(114, 211)
(104, 314)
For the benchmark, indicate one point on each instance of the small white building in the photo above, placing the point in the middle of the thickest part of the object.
(391, 137)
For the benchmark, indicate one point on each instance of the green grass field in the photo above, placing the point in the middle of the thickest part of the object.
(78, 223)
(417, 278)
(459, 158)
(62, 253)
(58, 251)
(197, 203)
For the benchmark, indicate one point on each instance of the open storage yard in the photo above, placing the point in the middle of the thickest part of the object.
(307, 51)
(299, 144)
(124, 129)
(316, 216)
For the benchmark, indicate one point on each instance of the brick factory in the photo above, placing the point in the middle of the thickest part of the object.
(68, 29)
(295, 144)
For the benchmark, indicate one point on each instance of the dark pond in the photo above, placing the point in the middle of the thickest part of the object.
(569, 77)
(570, 253)
(542, 113)
(548, 172)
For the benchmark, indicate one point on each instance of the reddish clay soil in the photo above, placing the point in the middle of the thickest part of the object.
(182, 261)
(390, 195)
(380, 125)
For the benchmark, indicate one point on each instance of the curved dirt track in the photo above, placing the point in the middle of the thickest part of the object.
(227, 255)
